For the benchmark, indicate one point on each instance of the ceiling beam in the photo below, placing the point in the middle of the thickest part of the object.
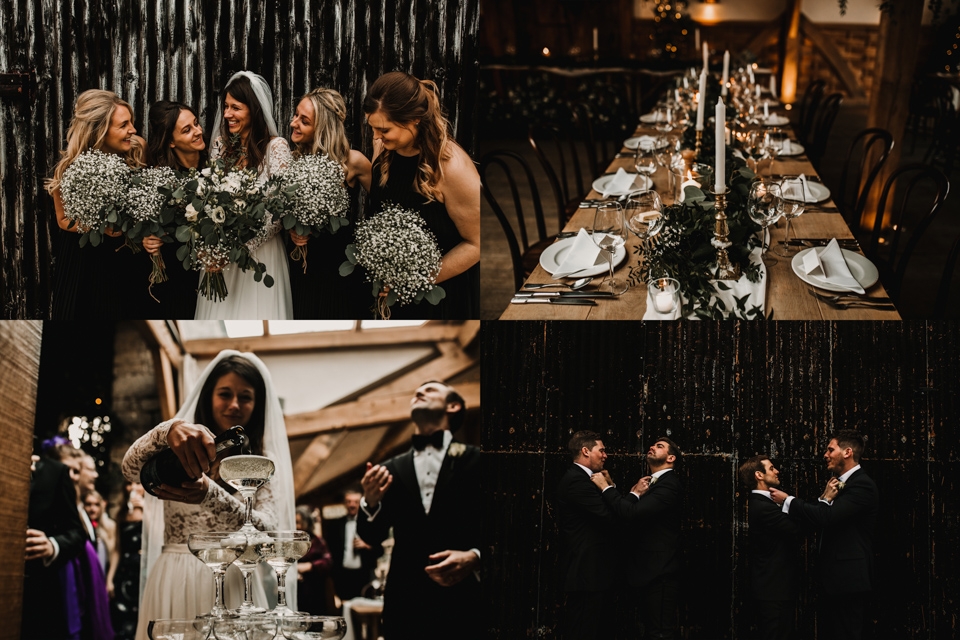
(394, 407)
(157, 332)
(452, 361)
(468, 333)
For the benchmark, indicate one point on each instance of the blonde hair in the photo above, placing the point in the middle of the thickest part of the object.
(404, 99)
(88, 129)
(329, 134)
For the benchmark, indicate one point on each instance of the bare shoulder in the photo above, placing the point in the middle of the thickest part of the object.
(457, 160)
(459, 172)
(357, 162)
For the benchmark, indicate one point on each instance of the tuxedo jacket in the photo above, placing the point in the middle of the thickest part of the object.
(773, 550)
(53, 510)
(846, 534)
(587, 525)
(453, 523)
(653, 522)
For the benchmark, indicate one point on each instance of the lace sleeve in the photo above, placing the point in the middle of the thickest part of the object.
(278, 157)
(216, 149)
(228, 509)
(146, 446)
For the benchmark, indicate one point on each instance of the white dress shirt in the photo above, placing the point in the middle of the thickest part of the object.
(350, 559)
(843, 478)
(427, 464)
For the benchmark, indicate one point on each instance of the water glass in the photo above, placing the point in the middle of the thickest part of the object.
(765, 206)
(610, 233)
(793, 193)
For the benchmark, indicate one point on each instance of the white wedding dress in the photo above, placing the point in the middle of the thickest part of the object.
(246, 298)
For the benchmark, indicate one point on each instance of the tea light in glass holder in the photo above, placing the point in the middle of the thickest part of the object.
(664, 294)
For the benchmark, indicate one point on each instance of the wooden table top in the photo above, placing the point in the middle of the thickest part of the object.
(786, 294)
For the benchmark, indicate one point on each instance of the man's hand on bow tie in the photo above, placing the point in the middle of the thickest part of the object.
(375, 483)
(778, 496)
(642, 486)
(831, 490)
(602, 480)
(454, 566)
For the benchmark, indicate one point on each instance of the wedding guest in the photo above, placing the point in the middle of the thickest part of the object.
(55, 536)
(418, 165)
(99, 282)
(313, 568)
(846, 523)
(353, 559)
(318, 289)
(587, 558)
(176, 141)
(103, 525)
(429, 496)
(123, 580)
(234, 389)
(652, 511)
(247, 137)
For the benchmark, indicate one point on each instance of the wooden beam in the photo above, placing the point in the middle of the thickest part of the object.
(157, 332)
(791, 44)
(468, 333)
(166, 387)
(451, 362)
(372, 411)
(366, 339)
(313, 456)
(834, 58)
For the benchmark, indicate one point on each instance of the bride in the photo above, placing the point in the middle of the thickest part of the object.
(246, 131)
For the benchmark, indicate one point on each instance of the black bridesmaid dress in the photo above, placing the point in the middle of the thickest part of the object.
(178, 295)
(462, 301)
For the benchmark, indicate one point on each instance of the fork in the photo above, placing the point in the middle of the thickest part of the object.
(849, 297)
(883, 306)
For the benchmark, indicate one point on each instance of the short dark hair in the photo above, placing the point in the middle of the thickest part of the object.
(249, 372)
(356, 487)
(850, 438)
(582, 439)
(748, 470)
(672, 448)
(457, 419)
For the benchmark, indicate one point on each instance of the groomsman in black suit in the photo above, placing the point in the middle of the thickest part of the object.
(773, 551)
(430, 495)
(55, 536)
(587, 557)
(652, 511)
(353, 559)
(846, 526)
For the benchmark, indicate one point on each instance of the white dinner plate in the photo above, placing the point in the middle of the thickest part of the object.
(862, 270)
(816, 192)
(775, 120)
(796, 149)
(649, 118)
(640, 183)
(553, 256)
(633, 143)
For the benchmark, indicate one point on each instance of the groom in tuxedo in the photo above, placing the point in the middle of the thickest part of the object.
(846, 523)
(652, 513)
(773, 552)
(430, 495)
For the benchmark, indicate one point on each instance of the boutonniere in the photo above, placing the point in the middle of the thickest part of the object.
(456, 449)
(841, 485)
(653, 480)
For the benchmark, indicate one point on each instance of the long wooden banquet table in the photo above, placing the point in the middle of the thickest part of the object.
(787, 296)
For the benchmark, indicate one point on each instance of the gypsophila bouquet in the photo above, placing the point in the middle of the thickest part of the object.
(317, 198)
(94, 190)
(215, 219)
(401, 258)
(146, 215)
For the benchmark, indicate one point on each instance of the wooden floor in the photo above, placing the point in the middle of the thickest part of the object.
(921, 282)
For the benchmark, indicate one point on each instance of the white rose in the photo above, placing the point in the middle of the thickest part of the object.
(206, 172)
(191, 213)
(217, 215)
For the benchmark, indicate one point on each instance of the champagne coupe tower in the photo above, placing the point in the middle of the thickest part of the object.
(247, 473)
(217, 550)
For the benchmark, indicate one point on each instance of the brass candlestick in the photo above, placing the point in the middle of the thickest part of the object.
(699, 143)
(726, 270)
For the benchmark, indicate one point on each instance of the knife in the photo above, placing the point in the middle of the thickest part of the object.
(563, 294)
(582, 301)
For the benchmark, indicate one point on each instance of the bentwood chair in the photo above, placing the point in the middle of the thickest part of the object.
(564, 159)
(941, 308)
(808, 108)
(824, 117)
(521, 183)
(867, 154)
(909, 202)
(598, 146)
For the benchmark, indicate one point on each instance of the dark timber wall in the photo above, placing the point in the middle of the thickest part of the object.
(725, 392)
(186, 50)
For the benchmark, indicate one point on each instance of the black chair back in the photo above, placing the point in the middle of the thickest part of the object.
(808, 108)
(867, 154)
(564, 162)
(824, 118)
(941, 309)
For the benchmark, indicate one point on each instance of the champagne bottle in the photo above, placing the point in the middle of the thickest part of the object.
(165, 467)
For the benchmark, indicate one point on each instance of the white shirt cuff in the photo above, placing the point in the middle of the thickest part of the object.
(829, 503)
(371, 516)
(56, 551)
(786, 504)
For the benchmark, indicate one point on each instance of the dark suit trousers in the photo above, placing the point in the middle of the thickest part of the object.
(776, 619)
(659, 605)
(841, 616)
(349, 582)
(587, 616)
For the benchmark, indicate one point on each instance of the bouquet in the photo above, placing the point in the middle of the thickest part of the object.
(401, 258)
(317, 198)
(145, 213)
(215, 218)
(94, 190)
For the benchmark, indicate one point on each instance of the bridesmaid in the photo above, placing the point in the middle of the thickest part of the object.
(318, 127)
(419, 166)
(102, 282)
(176, 141)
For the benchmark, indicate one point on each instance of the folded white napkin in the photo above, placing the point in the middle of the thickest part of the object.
(787, 147)
(766, 109)
(582, 255)
(687, 183)
(773, 87)
(620, 183)
(831, 266)
(646, 142)
(806, 188)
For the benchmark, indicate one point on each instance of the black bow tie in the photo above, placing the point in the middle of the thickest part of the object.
(435, 440)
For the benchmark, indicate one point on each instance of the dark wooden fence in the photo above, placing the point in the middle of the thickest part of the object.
(725, 392)
(185, 50)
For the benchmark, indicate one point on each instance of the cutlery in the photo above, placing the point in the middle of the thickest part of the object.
(567, 234)
(848, 297)
(577, 284)
(582, 301)
(805, 242)
(563, 294)
(861, 302)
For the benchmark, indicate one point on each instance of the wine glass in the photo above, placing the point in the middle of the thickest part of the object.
(764, 206)
(642, 215)
(179, 629)
(610, 233)
(247, 473)
(313, 627)
(773, 144)
(217, 550)
(645, 158)
(792, 192)
(281, 549)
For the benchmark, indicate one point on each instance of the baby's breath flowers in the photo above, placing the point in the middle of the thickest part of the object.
(94, 190)
(316, 198)
(145, 214)
(401, 258)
